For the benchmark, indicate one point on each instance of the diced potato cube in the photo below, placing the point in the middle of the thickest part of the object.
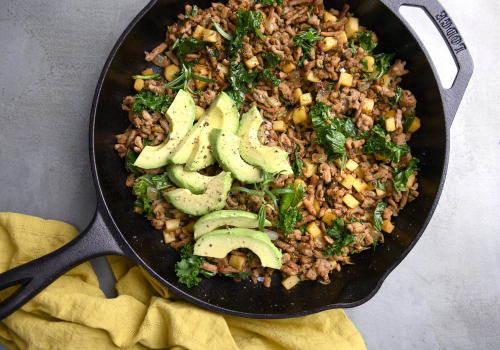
(350, 201)
(343, 36)
(368, 104)
(348, 181)
(148, 71)
(387, 226)
(360, 185)
(171, 225)
(312, 77)
(299, 115)
(328, 217)
(189, 227)
(320, 242)
(211, 35)
(387, 80)
(290, 282)
(415, 125)
(287, 68)
(370, 64)
(306, 99)
(351, 26)
(252, 62)
(237, 261)
(200, 70)
(296, 94)
(390, 124)
(411, 181)
(390, 114)
(179, 215)
(351, 165)
(345, 79)
(168, 237)
(200, 84)
(330, 43)
(222, 68)
(170, 71)
(380, 193)
(199, 112)
(198, 32)
(313, 229)
(316, 206)
(311, 169)
(329, 17)
(279, 125)
(368, 216)
(139, 85)
(359, 172)
(298, 181)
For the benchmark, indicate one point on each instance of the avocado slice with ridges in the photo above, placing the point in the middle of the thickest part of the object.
(225, 147)
(271, 159)
(217, 244)
(214, 197)
(222, 114)
(191, 180)
(180, 116)
(238, 218)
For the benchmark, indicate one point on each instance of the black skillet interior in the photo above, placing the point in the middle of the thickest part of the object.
(355, 283)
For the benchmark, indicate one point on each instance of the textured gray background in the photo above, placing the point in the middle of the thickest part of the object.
(446, 293)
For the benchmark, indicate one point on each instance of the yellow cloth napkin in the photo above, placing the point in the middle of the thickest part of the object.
(73, 313)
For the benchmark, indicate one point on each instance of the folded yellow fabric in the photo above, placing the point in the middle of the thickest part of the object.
(73, 313)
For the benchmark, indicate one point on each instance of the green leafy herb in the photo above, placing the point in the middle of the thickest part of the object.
(377, 216)
(397, 97)
(364, 63)
(353, 49)
(193, 11)
(146, 77)
(266, 74)
(214, 53)
(272, 59)
(378, 144)
(302, 228)
(293, 197)
(146, 142)
(327, 134)
(381, 185)
(221, 31)
(375, 243)
(188, 45)
(243, 275)
(400, 175)
(341, 235)
(148, 101)
(247, 21)
(289, 214)
(130, 159)
(297, 163)
(288, 220)
(160, 182)
(189, 268)
(382, 64)
(239, 79)
(249, 256)
(408, 122)
(306, 41)
(366, 42)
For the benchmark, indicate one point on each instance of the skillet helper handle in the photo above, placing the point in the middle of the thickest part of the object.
(33, 277)
(456, 45)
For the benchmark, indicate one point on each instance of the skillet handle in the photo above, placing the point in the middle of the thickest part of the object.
(451, 35)
(96, 240)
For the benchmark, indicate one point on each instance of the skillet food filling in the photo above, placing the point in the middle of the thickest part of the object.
(269, 136)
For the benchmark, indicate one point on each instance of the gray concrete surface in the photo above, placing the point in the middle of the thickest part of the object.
(446, 293)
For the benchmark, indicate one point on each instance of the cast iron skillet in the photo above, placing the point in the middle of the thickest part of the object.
(115, 229)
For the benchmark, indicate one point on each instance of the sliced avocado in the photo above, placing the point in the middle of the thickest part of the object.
(221, 114)
(180, 116)
(225, 147)
(217, 244)
(191, 180)
(238, 218)
(271, 159)
(214, 197)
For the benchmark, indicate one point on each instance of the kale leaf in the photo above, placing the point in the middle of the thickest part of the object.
(272, 59)
(306, 41)
(408, 122)
(297, 163)
(397, 97)
(377, 216)
(160, 182)
(247, 21)
(130, 160)
(341, 235)
(289, 214)
(150, 102)
(193, 11)
(292, 199)
(239, 79)
(381, 185)
(188, 45)
(266, 74)
(382, 64)
(288, 220)
(189, 268)
(366, 42)
(378, 144)
(400, 175)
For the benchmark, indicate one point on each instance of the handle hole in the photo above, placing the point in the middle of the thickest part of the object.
(434, 43)
(8, 291)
